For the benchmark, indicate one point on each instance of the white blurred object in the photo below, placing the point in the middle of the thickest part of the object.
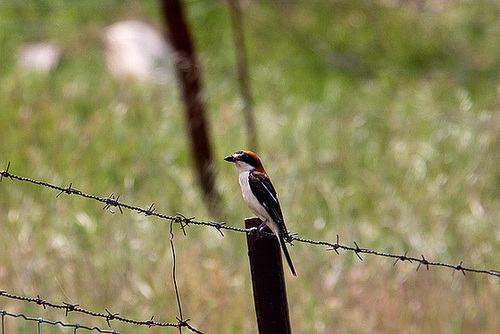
(135, 49)
(39, 57)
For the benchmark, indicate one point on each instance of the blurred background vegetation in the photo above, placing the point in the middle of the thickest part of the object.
(377, 121)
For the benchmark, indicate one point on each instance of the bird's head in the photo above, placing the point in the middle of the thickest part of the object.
(245, 161)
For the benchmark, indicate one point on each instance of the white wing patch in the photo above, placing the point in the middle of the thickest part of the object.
(270, 193)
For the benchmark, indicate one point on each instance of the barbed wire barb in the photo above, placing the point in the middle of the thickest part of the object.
(423, 261)
(150, 322)
(110, 316)
(149, 211)
(67, 190)
(70, 308)
(112, 201)
(40, 301)
(459, 268)
(5, 172)
(183, 221)
(357, 250)
(402, 258)
(335, 246)
(218, 227)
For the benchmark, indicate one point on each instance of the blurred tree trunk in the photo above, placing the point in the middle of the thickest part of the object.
(188, 73)
(242, 68)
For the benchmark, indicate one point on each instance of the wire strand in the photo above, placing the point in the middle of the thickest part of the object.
(183, 221)
(45, 321)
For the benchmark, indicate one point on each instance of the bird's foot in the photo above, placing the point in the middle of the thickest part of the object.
(256, 233)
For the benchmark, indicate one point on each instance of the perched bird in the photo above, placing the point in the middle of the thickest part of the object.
(260, 196)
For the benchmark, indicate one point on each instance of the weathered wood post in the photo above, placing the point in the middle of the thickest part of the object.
(268, 282)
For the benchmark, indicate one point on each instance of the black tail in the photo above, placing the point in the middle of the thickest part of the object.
(287, 256)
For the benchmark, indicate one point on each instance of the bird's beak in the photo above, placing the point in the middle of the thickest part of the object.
(230, 158)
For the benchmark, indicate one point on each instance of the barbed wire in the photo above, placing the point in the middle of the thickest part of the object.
(113, 201)
(108, 316)
(39, 320)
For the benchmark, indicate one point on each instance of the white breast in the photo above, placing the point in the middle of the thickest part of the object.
(252, 201)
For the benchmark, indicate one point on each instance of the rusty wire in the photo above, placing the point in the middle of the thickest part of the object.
(183, 221)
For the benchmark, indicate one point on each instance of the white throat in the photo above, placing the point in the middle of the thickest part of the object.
(243, 166)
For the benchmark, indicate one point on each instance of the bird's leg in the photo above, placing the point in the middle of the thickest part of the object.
(262, 225)
(257, 231)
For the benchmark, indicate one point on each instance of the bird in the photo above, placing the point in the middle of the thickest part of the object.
(261, 198)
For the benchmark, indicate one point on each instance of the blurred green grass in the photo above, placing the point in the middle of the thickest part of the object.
(377, 122)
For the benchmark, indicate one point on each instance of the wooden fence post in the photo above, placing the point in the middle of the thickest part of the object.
(188, 72)
(268, 282)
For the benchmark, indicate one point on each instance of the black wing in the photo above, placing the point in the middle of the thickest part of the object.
(263, 189)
